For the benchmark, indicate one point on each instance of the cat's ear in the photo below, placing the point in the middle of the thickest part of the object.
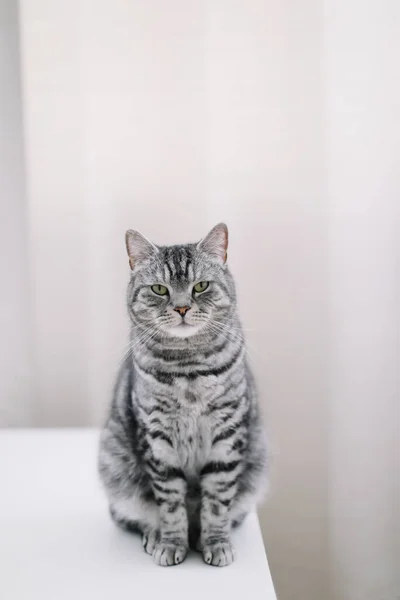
(138, 247)
(215, 244)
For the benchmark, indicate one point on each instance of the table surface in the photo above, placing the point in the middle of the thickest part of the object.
(57, 541)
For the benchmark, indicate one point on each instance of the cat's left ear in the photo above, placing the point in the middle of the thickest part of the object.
(215, 243)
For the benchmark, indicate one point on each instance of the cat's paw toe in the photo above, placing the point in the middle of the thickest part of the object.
(149, 541)
(219, 554)
(167, 555)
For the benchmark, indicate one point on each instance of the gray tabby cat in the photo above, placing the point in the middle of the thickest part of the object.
(183, 454)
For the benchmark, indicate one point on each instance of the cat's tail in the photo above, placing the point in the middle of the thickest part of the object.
(125, 524)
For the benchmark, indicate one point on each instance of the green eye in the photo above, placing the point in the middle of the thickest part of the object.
(160, 290)
(200, 287)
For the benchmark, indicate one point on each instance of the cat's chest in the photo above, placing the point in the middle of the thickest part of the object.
(191, 426)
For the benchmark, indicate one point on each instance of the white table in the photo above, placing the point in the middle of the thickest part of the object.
(57, 541)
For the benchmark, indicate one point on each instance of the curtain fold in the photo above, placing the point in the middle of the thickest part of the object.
(362, 51)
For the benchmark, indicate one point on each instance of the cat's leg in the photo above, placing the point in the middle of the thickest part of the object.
(219, 484)
(169, 487)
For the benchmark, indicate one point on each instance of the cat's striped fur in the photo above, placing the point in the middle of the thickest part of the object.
(183, 453)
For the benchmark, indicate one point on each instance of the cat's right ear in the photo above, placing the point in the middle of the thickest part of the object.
(138, 247)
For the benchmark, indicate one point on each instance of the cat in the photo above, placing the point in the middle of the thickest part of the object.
(183, 453)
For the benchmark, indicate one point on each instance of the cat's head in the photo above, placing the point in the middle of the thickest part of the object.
(183, 290)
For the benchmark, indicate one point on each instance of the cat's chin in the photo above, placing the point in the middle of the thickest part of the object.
(184, 330)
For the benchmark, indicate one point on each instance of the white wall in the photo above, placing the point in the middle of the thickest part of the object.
(16, 385)
(116, 139)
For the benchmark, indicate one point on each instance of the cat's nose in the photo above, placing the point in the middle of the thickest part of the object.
(182, 310)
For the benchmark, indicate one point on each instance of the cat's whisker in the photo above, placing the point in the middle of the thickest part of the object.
(235, 334)
(145, 335)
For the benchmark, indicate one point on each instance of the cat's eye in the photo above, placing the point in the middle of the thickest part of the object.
(160, 290)
(201, 286)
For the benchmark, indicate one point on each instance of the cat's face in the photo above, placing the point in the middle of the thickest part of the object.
(180, 291)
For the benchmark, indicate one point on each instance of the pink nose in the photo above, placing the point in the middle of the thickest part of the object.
(182, 310)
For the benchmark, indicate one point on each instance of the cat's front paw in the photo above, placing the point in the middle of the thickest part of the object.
(167, 555)
(219, 554)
